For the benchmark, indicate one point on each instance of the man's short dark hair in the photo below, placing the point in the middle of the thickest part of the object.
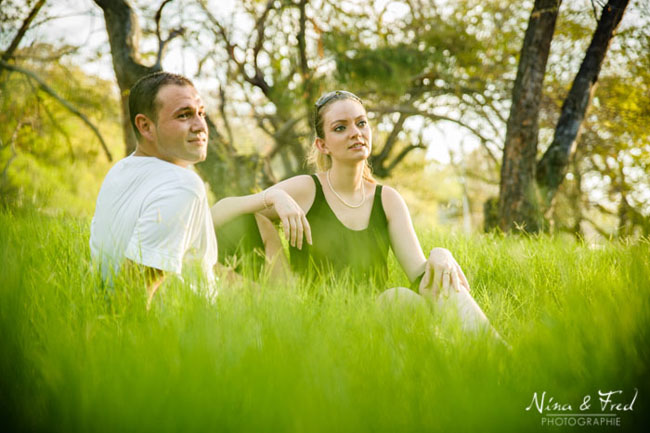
(142, 96)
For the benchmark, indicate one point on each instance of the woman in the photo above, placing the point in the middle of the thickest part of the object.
(348, 221)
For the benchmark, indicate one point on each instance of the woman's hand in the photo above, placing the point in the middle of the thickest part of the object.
(292, 216)
(442, 273)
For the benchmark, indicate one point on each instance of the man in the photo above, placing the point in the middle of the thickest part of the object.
(152, 212)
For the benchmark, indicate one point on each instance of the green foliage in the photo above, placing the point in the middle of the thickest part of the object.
(374, 69)
(430, 191)
(436, 58)
(58, 164)
(76, 357)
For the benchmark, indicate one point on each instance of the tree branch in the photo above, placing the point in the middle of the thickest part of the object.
(551, 169)
(593, 6)
(12, 145)
(158, 16)
(601, 231)
(55, 124)
(305, 72)
(280, 133)
(286, 127)
(56, 56)
(9, 52)
(392, 137)
(436, 117)
(486, 115)
(256, 80)
(230, 48)
(47, 89)
(162, 44)
(377, 161)
(260, 25)
(402, 155)
(480, 178)
(222, 110)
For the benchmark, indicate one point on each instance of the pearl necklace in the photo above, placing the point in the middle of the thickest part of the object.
(363, 193)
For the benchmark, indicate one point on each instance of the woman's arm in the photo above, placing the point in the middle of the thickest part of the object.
(440, 270)
(288, 201)
(403, 239)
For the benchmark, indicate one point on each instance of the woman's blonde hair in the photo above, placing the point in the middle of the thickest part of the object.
(318, 159)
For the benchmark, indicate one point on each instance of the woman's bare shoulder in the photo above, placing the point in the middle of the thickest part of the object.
(390, 196)
(300, 183)
(392, 202)
(301, 188)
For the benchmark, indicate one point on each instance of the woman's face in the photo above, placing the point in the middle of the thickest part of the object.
(347, 134)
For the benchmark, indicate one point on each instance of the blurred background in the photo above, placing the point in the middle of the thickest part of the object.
(436, 77)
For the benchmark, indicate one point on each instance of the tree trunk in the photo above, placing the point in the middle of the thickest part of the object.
(517, 201)
(226, 172)
(124, 38)
(552, 168)
(577, 202)
(378, 161)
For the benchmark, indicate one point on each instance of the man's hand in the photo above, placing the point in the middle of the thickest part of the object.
(294, 221)
(442, 273)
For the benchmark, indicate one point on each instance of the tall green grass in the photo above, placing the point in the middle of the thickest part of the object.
(78, 358)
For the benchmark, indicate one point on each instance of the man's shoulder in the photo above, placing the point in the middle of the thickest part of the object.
(184, 179)
(155, 174)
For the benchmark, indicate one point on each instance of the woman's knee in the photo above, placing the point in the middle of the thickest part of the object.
(400, 297)
(278, 266)
(270, 236)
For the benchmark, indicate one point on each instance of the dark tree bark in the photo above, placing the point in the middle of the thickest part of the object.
(517, 201)
(305, 71)
(577, 201)
(552, 168)
(124, 38)
(378, 161)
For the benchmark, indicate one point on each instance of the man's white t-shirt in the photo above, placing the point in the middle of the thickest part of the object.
(154, 213)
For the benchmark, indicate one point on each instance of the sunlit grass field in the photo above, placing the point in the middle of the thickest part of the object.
(77, 358)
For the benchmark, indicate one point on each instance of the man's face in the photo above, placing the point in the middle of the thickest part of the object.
(181, 131)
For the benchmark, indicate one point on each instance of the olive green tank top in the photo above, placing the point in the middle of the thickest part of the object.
(363, 254)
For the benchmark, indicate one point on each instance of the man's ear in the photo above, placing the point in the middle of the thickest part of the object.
(145, 126)
(320, 145)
